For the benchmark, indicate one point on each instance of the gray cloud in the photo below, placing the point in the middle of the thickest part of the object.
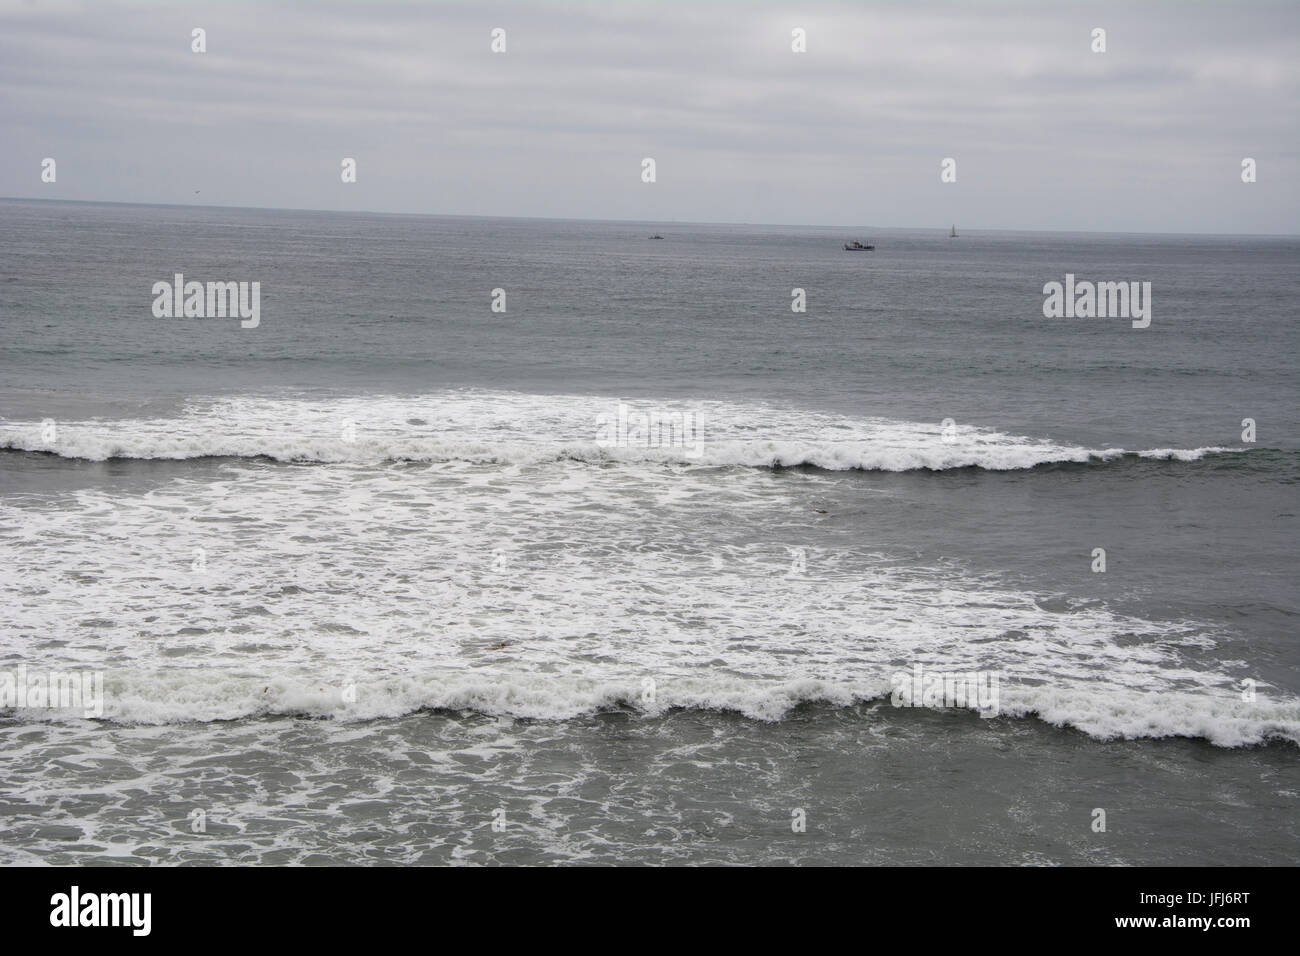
(1148, 136)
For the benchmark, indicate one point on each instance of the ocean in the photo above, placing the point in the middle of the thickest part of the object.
(541, 542)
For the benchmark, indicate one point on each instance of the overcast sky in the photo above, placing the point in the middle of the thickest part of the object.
(1148, 136)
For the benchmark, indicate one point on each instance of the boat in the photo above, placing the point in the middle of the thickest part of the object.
(856, 246)
(656, 236)
(953, 234)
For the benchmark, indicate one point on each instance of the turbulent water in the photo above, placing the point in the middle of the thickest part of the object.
(393, 508)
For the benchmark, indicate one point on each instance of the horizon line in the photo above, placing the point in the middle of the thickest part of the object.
(660, 222)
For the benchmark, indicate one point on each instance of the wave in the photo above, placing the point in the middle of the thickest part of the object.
(775, 455)
(549, 593)
(507, 428)
(1101, 712)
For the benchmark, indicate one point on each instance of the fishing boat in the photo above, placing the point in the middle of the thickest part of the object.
(856, 246)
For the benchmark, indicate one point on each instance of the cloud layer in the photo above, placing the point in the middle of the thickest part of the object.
(1148, 136)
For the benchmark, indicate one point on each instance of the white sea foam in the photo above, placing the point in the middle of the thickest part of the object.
(1101, 711)
(544, 587)
(503, 427)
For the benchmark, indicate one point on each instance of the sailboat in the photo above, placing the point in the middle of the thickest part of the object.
(953, 234)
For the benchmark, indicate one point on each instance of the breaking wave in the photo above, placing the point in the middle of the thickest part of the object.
(508, 428)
